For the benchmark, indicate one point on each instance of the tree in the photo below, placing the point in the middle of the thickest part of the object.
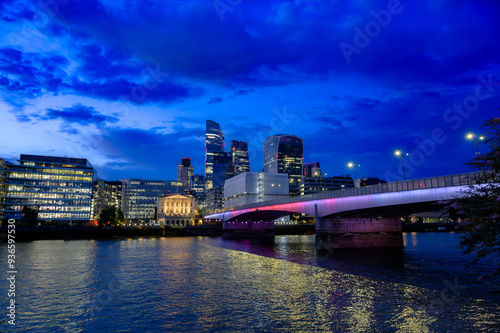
(120, 219)
(107, 216)
(30, 215)
(479, 208)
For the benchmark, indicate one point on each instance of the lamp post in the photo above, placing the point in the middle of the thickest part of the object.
(399, 153)
(352, 165)
(276, 190)
(472, 136)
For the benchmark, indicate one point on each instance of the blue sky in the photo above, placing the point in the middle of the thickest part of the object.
(129, 84)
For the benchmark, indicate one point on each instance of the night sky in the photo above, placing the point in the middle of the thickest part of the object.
(129, 84)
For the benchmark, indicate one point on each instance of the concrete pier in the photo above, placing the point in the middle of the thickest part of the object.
(335, 233)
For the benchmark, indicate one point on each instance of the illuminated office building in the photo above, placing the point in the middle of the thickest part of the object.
(284, 154)
(175, 210)
(140, 196)
(58, 188)
(252, 187)
(214, 143)
(239, 155)
(185, 171)
(311, 170)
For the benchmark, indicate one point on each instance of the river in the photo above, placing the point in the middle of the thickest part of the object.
(202, 284)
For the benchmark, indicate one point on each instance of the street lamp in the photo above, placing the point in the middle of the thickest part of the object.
(276, 190)
(399, 153)
(472, 136)
(352, 165)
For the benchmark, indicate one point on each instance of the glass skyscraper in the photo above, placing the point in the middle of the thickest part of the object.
(214, 142)
(239, 154)
(284, 154)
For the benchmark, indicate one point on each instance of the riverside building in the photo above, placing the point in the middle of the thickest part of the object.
(140, 196)
(58, 188)
(176, 210)
(252, 187)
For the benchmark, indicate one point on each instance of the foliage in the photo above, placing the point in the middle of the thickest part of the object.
(109, 216)
(30, 215)
(479, 207)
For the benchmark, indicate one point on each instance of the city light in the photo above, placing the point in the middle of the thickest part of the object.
(400, 153)
(352, 165)
(472, 136)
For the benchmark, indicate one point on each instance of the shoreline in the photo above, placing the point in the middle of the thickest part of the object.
(76, 233)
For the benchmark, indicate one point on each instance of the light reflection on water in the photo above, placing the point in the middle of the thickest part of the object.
(211, 284)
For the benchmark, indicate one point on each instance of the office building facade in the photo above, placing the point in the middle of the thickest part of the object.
(176, 210)
(140, 197)
(252, 187)
(214, 143)
(239, 154)
(284, 154)
(59, 189)
(185, 171)
(316, 184)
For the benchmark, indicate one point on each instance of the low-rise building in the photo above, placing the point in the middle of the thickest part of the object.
(176, 210)
(252, 187)
(310, 185)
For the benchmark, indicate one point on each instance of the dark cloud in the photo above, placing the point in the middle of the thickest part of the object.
(77, 114)
(28, 75)
(214, 100)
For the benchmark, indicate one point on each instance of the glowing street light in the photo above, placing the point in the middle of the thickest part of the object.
(352, 165)
(472, 136)
(399, 153)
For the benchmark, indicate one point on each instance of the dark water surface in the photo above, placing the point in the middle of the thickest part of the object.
(214, 285)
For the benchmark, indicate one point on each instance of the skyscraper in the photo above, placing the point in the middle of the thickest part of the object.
(222, 169)
(214, 142)
(284, 154)
(239, 154)
(185, 171)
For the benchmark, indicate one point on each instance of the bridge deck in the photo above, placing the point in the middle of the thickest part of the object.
(409, 185)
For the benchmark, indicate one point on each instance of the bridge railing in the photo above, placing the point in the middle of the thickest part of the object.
(409, 185)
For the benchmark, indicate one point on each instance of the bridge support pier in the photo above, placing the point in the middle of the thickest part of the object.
(338, 233)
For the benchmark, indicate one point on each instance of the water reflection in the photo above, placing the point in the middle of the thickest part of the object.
(211, 284)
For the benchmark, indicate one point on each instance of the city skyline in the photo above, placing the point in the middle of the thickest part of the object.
(355, 81)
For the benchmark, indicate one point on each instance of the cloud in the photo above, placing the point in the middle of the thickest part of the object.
(77, 114)
(214, 100)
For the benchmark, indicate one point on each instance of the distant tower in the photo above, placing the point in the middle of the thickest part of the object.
(214, 142)
(185, 171)
(222, 169)
(284, 154)
(239, 154)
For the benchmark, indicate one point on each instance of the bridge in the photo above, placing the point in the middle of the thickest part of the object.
(368, 216)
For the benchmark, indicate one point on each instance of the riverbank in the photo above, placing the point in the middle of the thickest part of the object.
(74, 232)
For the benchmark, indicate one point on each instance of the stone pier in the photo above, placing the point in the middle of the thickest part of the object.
(338, 233)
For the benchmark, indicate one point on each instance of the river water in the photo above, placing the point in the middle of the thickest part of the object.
(214, 285)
